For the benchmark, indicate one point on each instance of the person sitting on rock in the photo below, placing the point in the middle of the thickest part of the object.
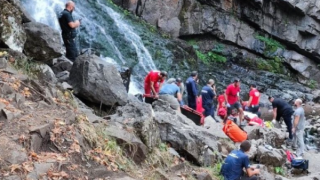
(282, 109)
(153, 82)
(254, 99)
(170, 92)
(208, 94)
(191, 85)
(232, 168)
(298, 128)
(232, 98)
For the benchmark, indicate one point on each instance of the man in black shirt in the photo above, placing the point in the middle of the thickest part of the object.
(68, 26)
(282, 109)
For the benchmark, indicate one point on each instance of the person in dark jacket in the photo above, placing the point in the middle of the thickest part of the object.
(192, 91)
(68, 26)
(282, 109)
(208, 94)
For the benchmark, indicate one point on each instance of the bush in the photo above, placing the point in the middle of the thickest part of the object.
(271, 44)
(313, 84)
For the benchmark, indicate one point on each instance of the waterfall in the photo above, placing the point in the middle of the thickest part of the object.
(103, 29)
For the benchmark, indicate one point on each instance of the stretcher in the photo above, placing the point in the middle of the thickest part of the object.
(192, 114)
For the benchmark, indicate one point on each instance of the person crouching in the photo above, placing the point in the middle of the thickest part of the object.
(170, 92)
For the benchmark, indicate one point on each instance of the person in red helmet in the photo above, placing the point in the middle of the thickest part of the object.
(232, 98)
(153, 82)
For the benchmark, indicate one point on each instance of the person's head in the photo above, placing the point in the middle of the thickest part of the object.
(253, 86)
(236, 82)
(222, 92)
(270, 98)
(298, 102)
(178, 81)
(210, 82)
(245, 146)
(163, 75)
(194, 74)
(70, 6)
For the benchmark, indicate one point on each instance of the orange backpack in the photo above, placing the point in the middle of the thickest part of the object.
(234, 132)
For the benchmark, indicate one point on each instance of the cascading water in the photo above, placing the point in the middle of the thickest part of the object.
(104, 30)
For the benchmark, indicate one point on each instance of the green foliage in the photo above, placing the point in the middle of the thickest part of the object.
(215, 170)
(126, 12)
(218, 48)
(210, 57)
(272, 65)
(29, 67)
(313, 84)
(271, 44)
(163, 147)
(279, 170)
(166, 35)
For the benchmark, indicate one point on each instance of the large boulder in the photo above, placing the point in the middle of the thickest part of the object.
(43, 42)
(97, 81)
(195, 143)
(138, 116)
(12, 34)
(274, 157)
(274, 137)
(130, 143)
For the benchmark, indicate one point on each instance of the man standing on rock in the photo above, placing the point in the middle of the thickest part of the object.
(208, 93)
(232, 97)
(232, 168)
(69, 34)
(153, 82)
(254, 99)
(282, 109)
(170, 92)
(192, 90)
(298, 128)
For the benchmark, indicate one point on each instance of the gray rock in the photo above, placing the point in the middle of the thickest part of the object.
(6, 89)
(264, 173)
(26, 17)
(132, 145)
(202, 176)
(11, 19)
(43, 42)
(11, 152)
(139, 116)
(3, 63)
(62, 65)
(43, 130)
(63, 76)
(97, 81)
(14, 177)
(45, 73)
(42, 168)
(36, 142)
(66, 86)
(274, 157)
(274, 137)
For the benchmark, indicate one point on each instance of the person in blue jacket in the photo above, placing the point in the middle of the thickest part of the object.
(208, 94)
(236, 161)
(192, 90)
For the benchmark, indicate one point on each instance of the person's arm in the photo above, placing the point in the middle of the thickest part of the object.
(71, 23)
(252, 171)
(74, 24)
(295, 122)
(274, 113)
(249, 102)
(179, 97)
(152, 88)
(161, 83)
(194, 88)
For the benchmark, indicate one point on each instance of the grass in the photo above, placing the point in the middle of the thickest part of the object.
(279, 170)
(271, 45)
(210, 57)
(215, 171)
(312, 84)
(272, 65)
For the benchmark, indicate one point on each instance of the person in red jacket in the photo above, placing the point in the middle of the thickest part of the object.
(232, 98)
(153, 82)
(254, 98)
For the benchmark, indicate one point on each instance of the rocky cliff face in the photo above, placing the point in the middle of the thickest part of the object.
(281, 37)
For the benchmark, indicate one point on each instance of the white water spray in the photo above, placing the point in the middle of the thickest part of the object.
(45, 11)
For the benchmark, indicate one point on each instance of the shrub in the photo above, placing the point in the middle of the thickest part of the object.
(271, 44)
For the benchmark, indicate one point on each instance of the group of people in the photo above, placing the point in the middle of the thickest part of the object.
(229, 100)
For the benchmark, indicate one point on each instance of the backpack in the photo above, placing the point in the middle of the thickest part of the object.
(234, 132)
(300, 164)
